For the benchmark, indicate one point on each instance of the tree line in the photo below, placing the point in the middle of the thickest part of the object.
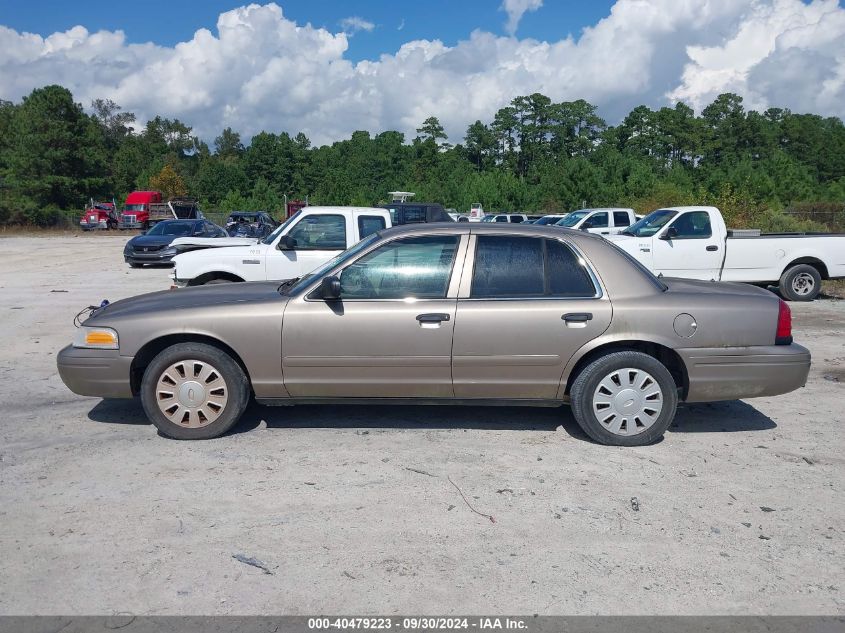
(534, 156)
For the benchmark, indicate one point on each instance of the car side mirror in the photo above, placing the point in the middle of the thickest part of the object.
(587, 225)
(330, 288)
(287, 243)
(671, 233)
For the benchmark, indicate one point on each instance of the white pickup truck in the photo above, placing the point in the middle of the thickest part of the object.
(694, 243)
(308, 239)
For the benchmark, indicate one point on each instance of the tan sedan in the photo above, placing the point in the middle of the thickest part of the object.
(461, 313)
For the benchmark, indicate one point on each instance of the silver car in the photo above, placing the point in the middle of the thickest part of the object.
(477, 314)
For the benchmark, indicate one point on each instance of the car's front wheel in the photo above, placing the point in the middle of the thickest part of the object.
(194, 391)
(624, 399)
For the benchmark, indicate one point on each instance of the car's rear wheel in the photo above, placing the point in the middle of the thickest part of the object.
(217, 281)
(624, 399)
(194, 391)
(133, 265)
(800, 283)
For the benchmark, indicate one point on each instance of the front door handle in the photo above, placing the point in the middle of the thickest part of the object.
(433, 317)
(712, 248)
(605, 232)
(577, 317)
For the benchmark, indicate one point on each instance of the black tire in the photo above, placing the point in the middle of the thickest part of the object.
(217, 281)
(237, 390)
(801, 282)
(585, 387)
(131, 265)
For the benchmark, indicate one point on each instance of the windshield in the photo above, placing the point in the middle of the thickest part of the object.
(488, 218)
(270, 238)
(179, 229)
(548, 219)
(651, 223)
(572, 219)
(336, 261)
(134, 207)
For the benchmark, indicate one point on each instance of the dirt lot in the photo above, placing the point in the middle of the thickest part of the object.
(740, 507)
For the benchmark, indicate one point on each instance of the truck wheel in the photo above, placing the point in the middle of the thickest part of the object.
(194, 391)
(624, 399)
(217, 281)
(800, 283)
(131, 265)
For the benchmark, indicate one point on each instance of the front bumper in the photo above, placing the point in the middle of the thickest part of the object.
(148, 258)
(103, 373)
(730, 373)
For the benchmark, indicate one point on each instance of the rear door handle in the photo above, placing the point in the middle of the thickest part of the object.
(712, 247)
(577, 317)
(605, 232)
(433, 317)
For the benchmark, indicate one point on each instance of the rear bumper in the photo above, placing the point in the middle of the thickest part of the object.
(95, 372)
(744, 372)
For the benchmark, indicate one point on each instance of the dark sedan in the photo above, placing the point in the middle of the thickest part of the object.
(154, 246)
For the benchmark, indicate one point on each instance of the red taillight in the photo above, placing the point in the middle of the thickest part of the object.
(783, 335)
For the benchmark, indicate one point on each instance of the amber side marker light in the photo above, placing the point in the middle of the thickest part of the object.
(96, 338)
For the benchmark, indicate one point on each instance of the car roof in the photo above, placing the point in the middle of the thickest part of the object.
(461, 228)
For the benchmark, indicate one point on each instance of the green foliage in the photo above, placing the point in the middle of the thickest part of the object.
(533, 155)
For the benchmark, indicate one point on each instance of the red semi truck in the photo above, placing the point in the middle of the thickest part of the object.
(99, 215)
(136, 209)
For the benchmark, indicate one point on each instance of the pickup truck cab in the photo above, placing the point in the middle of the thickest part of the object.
(602, 221)
(306, 240)
(695, 243)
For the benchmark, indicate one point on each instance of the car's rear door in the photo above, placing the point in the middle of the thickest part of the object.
(525, 306)
(389, 335)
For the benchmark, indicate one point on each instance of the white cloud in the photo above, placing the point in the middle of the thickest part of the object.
(262, 71)
(401, 25)
(782, 53)
(515, 10)
(353, 24)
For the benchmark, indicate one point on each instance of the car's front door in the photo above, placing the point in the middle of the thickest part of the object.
(390, 333)
(528, 305)
(688, 248)
(598, 223)
(315, 240)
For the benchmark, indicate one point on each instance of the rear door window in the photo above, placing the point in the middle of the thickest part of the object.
(369, 224)
(620, 218)
(507, 266)
(525, 267)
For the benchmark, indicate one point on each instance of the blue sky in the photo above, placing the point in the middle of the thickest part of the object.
(289, 67)
(168, 22)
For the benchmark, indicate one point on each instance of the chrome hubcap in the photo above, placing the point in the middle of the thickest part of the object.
(191, 393)
(803, 284)
(627, 401)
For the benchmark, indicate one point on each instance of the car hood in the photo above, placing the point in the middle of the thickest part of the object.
(210, 296)
(140, 241)
(216, 242)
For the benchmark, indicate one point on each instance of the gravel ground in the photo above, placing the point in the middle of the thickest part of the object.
(350, 509)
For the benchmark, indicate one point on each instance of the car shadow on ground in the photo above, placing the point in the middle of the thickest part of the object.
(716, 417)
